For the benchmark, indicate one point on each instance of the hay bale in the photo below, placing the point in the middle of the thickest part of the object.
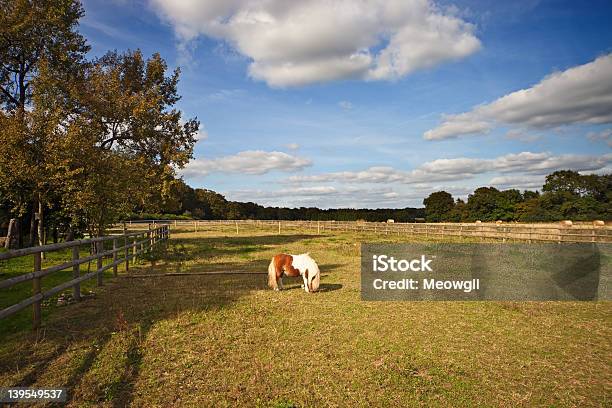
(566, 223)
(598, 223)
(498, 222)
(390, 221)
(477, 222)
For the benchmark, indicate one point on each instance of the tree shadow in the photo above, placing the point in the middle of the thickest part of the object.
(143, 302)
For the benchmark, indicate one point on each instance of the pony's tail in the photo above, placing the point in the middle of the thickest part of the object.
(272, 275)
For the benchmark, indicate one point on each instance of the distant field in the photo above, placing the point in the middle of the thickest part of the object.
(226, 340)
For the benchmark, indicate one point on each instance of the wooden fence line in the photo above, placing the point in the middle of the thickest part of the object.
(516, 232)
(150, 238)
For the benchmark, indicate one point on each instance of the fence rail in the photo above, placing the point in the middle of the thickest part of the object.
(549, 232)
(137, 241)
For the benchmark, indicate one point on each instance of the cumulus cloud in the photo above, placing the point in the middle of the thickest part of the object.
(292, 43)
(254, 162)
(329, 197)
(582, 94)
(464, 168)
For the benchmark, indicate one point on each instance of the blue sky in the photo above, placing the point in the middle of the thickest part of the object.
(378, 103)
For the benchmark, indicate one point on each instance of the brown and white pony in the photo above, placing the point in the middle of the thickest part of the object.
(294, 265)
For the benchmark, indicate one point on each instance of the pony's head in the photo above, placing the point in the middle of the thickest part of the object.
(314, 275)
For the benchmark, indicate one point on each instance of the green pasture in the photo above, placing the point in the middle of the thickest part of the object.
(225, 339)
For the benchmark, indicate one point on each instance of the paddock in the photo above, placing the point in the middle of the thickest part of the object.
(196, 325)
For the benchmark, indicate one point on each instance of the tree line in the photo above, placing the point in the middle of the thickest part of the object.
(187, 202)
(566, 195)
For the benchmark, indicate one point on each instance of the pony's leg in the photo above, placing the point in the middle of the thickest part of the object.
(305, 285)
(280, 283)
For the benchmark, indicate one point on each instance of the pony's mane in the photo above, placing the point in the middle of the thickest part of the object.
(305, 260)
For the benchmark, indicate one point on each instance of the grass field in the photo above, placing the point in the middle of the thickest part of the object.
(226, 340)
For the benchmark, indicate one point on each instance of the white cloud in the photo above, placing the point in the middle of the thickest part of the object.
(202, 134)
(329, 197)
(346, 105)
(464, 168)
(292, 146)
(582, 94)
(604, 135)
(457, 125)
(292, 43)
(254, 162)
(524, 182)
(226, 94)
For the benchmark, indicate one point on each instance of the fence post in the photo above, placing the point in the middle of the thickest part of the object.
(127, 250)
(279, 228)
(318, 227)
(236, 227)
(115, 256)
(99, 250)
(76, 272)
(195, 226)
(134, 249)
(36, 284)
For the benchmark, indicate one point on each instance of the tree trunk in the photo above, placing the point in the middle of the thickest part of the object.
(41, 226)
(42, 238)
(12, 237)
(33, 226)
(70, 234)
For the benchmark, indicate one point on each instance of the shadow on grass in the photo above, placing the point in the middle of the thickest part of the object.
(323, 287)
(141, 303)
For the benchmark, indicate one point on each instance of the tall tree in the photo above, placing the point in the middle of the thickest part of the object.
(32, 34)
(438, 206)
(120, 150)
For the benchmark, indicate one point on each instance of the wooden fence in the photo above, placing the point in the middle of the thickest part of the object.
(128, 244)
(545, 232)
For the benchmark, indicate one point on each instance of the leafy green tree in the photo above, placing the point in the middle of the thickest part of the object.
(438, 206)
(567, 181)
(459, 212)
(32, 31)
(482, 204)
(33, 34)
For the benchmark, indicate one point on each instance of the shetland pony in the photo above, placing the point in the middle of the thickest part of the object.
(294, 265)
